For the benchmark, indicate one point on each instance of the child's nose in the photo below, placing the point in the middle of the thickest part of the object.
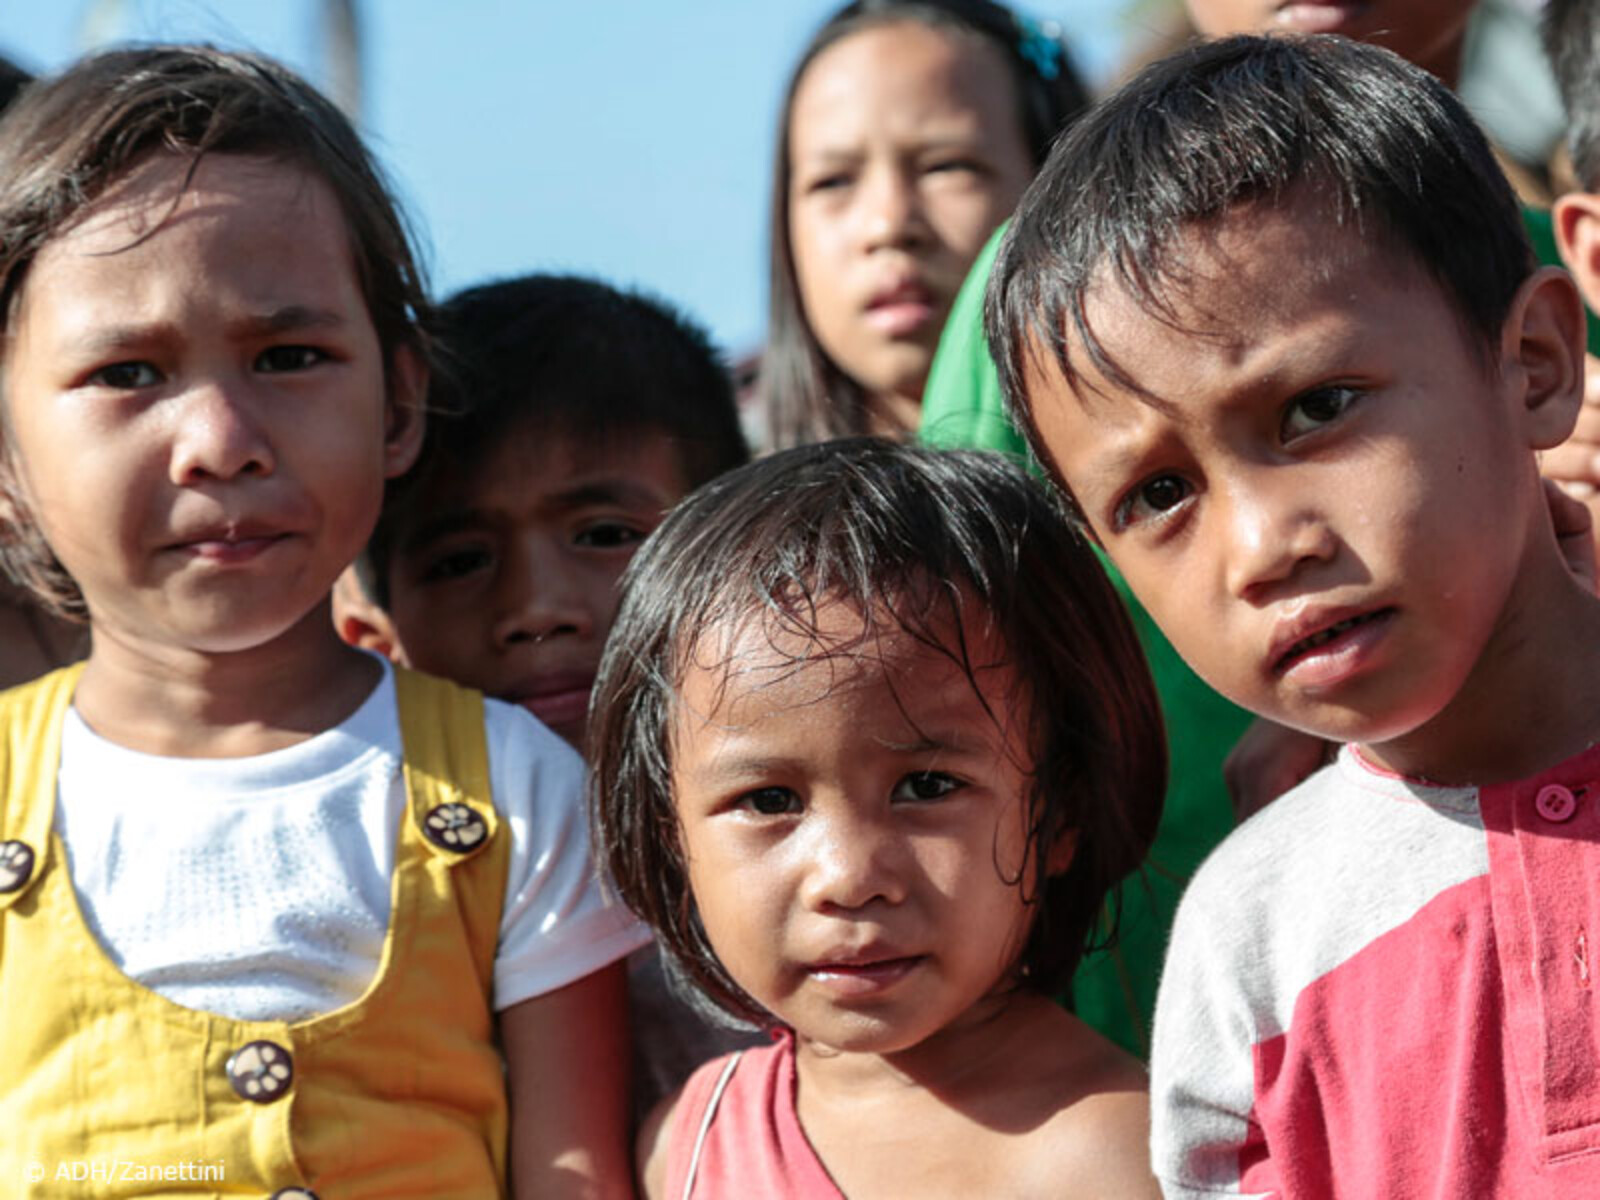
(853, 864)
(216, 436)
(541, 597)
(1270, 536)
(891, 209)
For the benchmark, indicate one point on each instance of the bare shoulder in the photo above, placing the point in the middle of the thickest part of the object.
(650, 1147)
(1101, 1143)
(1096, 1140)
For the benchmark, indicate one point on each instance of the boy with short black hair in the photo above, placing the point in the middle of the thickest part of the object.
(582, 413)
(1269, 315)
(570, 418)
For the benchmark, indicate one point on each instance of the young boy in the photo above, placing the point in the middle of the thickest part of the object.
(1269, 315)
(963, 406)
(583, 414)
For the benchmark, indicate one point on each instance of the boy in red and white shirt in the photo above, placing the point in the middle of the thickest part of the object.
(1270, 317)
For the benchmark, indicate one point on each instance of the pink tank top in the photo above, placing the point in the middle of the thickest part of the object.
(736, 1132)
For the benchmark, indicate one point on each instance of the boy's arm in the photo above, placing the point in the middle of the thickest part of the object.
(1204, 1139)
(567, 1075)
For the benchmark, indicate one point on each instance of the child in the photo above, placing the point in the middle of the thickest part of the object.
(907, 133)
(872, 741)
(581, 414)
(1270, 315)
(242, 935)
(586, 413)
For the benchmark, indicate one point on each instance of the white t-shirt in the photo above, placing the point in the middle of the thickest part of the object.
(259, 887)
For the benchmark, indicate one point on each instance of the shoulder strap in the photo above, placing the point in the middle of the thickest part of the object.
(30, 755)
(706, 1119)
(446, 764)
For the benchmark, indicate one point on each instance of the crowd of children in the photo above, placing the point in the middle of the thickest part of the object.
(480, 778)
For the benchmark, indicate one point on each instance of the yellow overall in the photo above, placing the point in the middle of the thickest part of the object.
(109, 1090)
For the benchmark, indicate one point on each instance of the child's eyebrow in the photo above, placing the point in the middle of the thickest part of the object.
(289, 316)
(114, 339)
(734, 765)
(608, 491)
(582, 495)
(444, 525)
(1118, 458)
(948, 741)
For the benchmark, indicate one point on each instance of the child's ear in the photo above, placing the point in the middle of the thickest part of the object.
(361, 622)
(405, 419)
(1576, 217)
(1542, 347)
(1062, 852)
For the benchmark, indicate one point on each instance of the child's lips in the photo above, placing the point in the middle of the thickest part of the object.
(230, 546)
(1319, 16)
(864, 975)
(560, 701)
(1320, 648)
(902, 310)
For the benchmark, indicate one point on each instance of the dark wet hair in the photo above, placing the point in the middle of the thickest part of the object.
(911, 538)
(1572, 42)
(1318, 119)
(70, 138)
(573, 358)
(805, 396)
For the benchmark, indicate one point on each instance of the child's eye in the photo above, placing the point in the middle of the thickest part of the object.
(126, 376)
(607, 535)
(771, 801)
(1311, 411)
(1151, 499)
(455, 564)
(288, 358)
(828, 182)
(924, 786)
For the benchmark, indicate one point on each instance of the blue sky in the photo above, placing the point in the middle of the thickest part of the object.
(630, 140)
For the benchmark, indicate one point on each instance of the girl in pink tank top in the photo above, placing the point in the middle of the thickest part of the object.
(872, 741)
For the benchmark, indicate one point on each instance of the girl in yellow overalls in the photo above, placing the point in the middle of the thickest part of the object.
(275, 918)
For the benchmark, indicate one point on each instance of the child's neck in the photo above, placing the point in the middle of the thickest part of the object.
(189, 704)
(1531, 701)
(959, 1060)
(971, 1110)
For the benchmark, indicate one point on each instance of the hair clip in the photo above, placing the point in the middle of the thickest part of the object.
(1040, 44)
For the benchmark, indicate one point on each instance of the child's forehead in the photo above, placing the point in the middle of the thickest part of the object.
(1259, 256)
(1264, 305)
(815, 650)
(263, 242)
(1269, 283)
(267, 234)
(755, 676)
(166, 187)
(540, 459)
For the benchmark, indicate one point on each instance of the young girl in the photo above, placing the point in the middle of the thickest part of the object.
(908, 131)
(873, 740)
(268, 909)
